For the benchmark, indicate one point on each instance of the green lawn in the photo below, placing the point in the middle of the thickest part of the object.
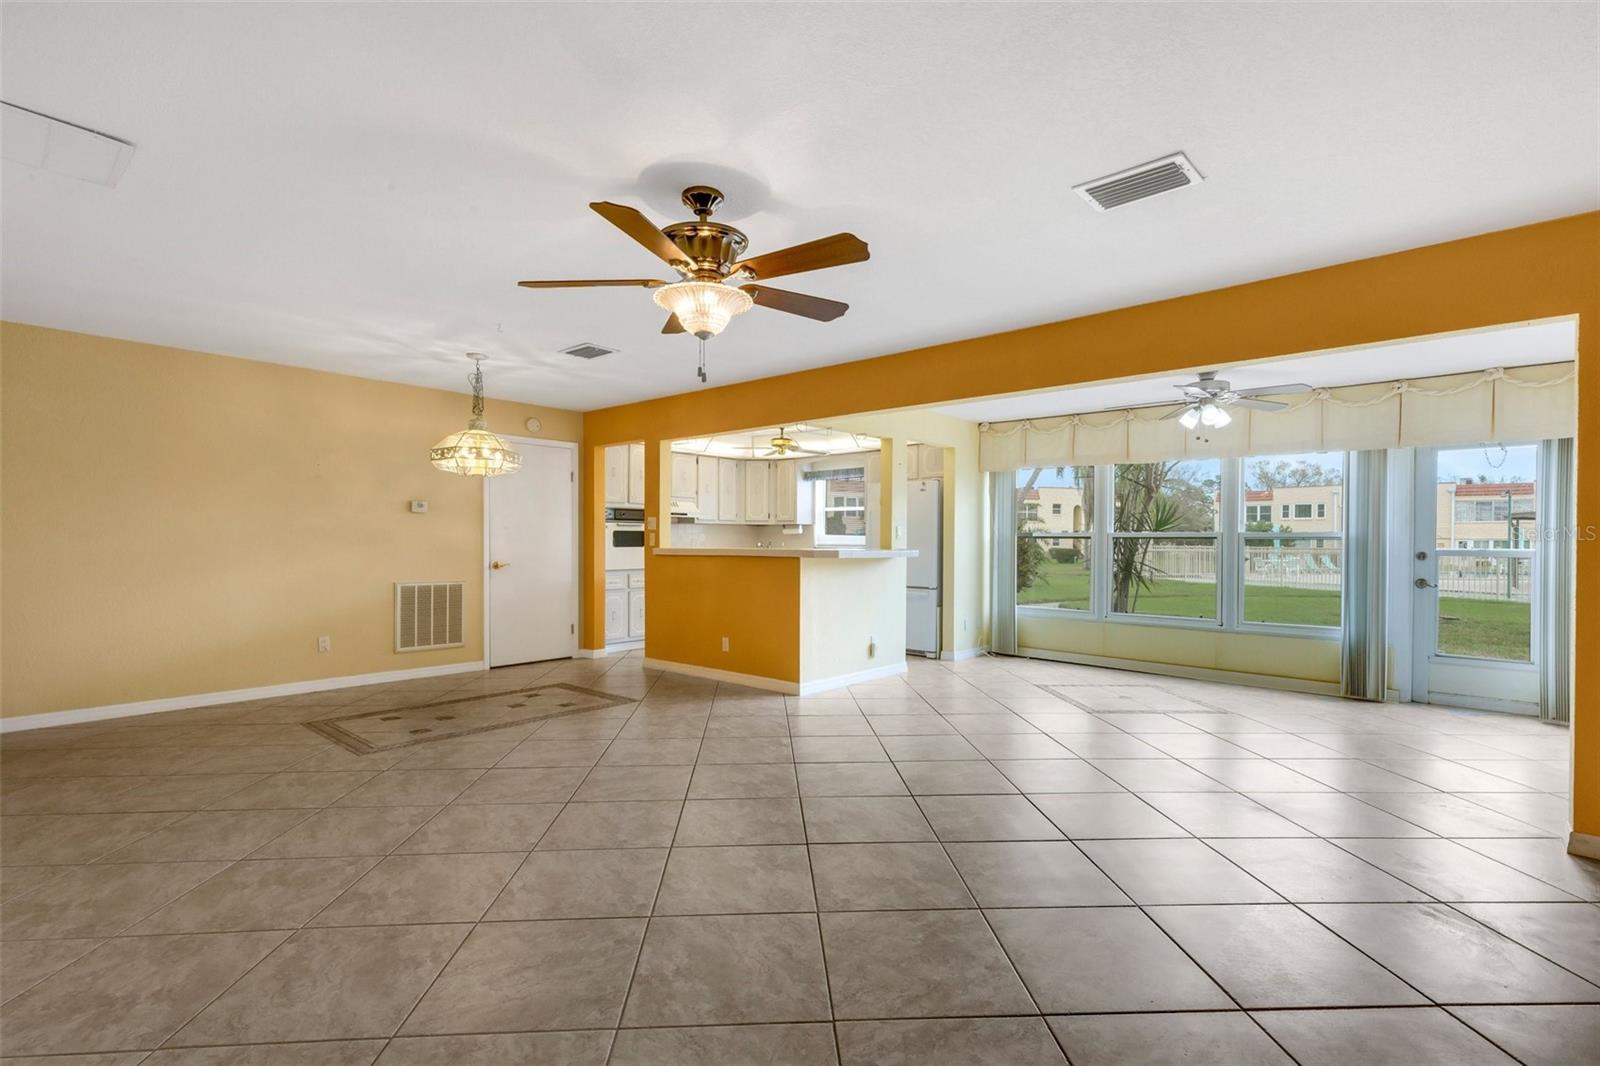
(1484, 628)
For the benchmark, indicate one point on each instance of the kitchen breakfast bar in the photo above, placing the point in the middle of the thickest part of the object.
(794, 620)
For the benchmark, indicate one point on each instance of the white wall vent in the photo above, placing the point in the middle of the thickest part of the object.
(427, 614)
(587, 350)
(1140, 182)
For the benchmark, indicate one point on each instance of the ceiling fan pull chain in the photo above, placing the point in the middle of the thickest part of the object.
(702, 370)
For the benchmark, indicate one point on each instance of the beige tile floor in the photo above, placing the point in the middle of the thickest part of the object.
(997, 861)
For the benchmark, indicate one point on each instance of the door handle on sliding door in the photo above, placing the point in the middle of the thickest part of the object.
(1424, 583)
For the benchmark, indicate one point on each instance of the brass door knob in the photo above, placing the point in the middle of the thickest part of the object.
(498, 565)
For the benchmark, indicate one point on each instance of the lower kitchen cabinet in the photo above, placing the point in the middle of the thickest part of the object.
(616, 615)
(635, 614)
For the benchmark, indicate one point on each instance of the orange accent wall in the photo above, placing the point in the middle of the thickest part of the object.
(1545, 270)
(694, 601)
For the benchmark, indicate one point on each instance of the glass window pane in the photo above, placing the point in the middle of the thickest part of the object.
(1058, 499)
(1485, 607)
(1304, 490)
(1487, 495)
(1054, 572)
(1169, 576)
(1292, 581)
(1176, 496)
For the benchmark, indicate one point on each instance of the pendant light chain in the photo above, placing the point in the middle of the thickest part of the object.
(476, 378)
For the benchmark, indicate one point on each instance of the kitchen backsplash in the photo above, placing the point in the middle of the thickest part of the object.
(696, 535)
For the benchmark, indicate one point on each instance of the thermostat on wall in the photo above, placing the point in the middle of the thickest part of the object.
(419, 506)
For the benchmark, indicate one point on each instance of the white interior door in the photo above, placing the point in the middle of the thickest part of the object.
(1475, 578)
(531, 556)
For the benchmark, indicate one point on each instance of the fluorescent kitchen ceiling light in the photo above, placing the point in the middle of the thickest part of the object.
(49, 144)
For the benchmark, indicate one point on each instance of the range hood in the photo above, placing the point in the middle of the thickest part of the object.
(685, 507)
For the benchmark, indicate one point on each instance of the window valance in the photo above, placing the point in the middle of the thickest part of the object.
(1521, 404)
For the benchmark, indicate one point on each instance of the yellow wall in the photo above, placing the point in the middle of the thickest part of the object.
(693, 601)
(1532, 272)
(847, 605)
(178, 523)
(1295, 658)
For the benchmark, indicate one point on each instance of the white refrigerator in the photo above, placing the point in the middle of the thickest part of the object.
(924, 516)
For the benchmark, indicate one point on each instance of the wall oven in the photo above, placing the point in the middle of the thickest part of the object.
(624, 538)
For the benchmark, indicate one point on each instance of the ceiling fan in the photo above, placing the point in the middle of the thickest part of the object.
(783, 444)
(713, 282)
(1206, 398)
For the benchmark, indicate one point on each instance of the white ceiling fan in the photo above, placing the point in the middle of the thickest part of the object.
(1207, 398)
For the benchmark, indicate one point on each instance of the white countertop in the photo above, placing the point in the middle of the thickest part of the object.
(798, 553)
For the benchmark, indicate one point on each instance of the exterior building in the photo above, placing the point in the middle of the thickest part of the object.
(1486, 514)
(1295, 509)
(1050, 509)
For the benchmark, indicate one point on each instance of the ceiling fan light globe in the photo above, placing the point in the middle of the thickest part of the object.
(704, 308)
(1213, 416)
(1190, 418)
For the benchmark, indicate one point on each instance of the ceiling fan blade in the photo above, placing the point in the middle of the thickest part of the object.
(837, 250)
(796, 303)
(641, 229)
(1275, 390)
(1257, 405)
(673, 325)
(646, 283)
(773, 451)
(1169, 416)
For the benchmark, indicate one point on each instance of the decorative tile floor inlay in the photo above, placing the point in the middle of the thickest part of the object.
(404, 727)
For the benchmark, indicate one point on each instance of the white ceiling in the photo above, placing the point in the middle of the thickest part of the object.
(356, 187)
(1454, 353)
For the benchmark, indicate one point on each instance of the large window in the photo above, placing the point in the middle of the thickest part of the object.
(1055, 542)
(842, 507)
(1252, 544)
(1291, 573)
(1164, 538)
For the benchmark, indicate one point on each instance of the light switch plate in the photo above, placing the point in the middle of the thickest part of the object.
(419, 506)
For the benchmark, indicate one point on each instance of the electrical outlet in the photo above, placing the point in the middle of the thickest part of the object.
(724, 643)
(324, 644)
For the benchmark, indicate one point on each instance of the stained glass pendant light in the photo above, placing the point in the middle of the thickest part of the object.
(475, 452)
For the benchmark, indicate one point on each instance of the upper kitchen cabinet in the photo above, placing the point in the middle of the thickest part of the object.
(617, 474)
(730, 491)
(924, 460)
(625, 475)
(757, 491)
(636, 474)
(684, 482)
(706, 470)
(785, 479)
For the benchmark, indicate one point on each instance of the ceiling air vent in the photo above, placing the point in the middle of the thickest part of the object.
(587, 350)
(1140, 182)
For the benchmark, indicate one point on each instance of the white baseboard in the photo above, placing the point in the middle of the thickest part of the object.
(591, 653)
(1192, 673)
(860, 677)
(238, 695)
(773, 684)
(965, 653)
(1586, 845)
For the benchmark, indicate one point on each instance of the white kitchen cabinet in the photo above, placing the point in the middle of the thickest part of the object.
(684, 483)
(782, 476)
(636, 474)
(757, 491)
(617, 615)
(925, 460)
(706, 472)
(636, 614)
(730, 491)
(617, 474)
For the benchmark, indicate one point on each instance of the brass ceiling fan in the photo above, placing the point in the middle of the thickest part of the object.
(783, 444)
(713, 282)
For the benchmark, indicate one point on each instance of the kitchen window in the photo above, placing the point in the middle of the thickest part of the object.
(842, 510)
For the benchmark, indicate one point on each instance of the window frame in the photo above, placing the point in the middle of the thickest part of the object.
(820, 535)
(1230, 538)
